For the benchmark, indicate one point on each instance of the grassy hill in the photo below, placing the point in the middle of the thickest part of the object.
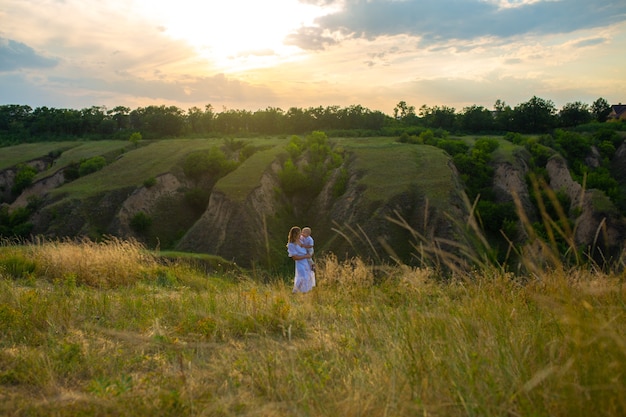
(149, 192)
(391, 168)
(132, 167)
(88, 204)
(238, 184)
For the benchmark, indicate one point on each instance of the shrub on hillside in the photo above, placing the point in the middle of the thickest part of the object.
(23, 178)
(291, 179)
(208, 163)
(91, 165)
(140, 222)
(15, 223)
(486, 145)
(308, 173)
(295, 147)
(453, 146)
(150, 182)
(135, 138)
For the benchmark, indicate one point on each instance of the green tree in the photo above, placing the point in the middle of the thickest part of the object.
(503, 115)
(120, 115)
(402, 111)
(135, 138)
(600, 109)
(442, 117)
(574, 114)
(158, 121)
(477, 119)
(536, 115)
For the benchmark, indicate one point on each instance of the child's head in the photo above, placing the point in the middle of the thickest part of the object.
(306, 231)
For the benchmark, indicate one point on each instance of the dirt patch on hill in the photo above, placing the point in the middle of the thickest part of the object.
(145, 199)
(39, 189)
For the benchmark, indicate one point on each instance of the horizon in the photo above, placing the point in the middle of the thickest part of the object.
(250, 55)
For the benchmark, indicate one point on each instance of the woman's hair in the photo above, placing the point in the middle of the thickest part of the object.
(294, 233)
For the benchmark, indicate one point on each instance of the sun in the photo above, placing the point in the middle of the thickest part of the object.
(236, 34)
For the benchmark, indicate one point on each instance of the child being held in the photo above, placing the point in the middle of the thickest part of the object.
(307, 243)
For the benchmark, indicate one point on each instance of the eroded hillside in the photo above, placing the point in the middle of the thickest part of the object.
(375, 198)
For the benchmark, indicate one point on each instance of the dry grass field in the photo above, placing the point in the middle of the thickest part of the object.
(108, 329)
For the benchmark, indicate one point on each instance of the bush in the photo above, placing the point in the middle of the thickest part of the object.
(150, 182)
(494, 215)
(91, 165)
(23, 178)
(515, 138)
(575, 145)
(15, 223)
(140, 222)
(135, 138)
(246, 152)
(453, 147)
(295, 147)
(210, 163)
(427, 137)
(291, 179)
(487, 145)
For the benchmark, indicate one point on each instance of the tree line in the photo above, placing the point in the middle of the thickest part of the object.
(22, 123)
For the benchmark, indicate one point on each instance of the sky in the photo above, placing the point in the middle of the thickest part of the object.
(253, 54)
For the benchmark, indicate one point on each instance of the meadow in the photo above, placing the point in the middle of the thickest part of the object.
(112, 329)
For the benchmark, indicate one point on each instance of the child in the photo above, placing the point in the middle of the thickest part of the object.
(307, 243)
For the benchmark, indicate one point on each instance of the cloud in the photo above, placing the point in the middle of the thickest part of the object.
(61, 91)
(310, 38)
(590, 42)
(15, 55)
(440, 21)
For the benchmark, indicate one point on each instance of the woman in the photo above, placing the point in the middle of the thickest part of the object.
(302, 281)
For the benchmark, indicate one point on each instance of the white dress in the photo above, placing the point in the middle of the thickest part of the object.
(302, 281)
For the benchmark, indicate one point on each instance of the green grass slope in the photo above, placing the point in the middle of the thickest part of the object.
(75, 152)
(239, 183)
(18, 154)
(135, 166)
(391, 168)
